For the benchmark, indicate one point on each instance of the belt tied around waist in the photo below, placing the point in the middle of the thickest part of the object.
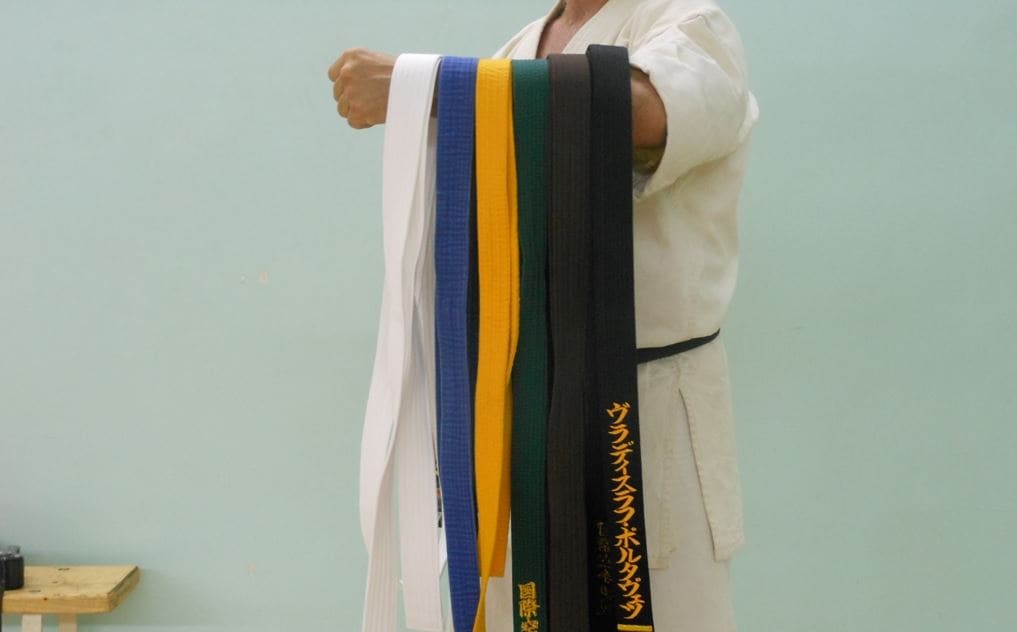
(649, 354)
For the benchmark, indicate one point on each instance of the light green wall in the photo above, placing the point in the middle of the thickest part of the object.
(190, 276)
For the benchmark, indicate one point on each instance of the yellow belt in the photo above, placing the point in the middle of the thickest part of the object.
(498, 275)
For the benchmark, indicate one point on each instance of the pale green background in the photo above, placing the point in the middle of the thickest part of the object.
(190, 277)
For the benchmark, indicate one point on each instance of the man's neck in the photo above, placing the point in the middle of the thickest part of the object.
(579, 11)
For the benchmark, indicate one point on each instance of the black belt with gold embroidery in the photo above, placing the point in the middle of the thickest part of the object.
(619, 577)
(597, 572)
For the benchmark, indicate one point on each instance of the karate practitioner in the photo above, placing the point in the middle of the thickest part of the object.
(692, 118)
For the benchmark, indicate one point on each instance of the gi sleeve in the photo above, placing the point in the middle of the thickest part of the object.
(696, 65)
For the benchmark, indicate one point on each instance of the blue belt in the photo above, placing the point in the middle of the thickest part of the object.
(456, 97)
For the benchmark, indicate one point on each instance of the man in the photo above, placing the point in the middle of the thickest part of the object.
(692, 117)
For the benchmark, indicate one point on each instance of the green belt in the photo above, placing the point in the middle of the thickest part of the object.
(530, 373)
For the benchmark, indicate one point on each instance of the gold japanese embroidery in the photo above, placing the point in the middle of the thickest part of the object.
(528, 607)
(623, 494)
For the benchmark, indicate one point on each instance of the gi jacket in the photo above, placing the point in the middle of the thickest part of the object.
(685, 225)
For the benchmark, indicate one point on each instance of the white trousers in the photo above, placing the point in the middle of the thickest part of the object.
(691, 590)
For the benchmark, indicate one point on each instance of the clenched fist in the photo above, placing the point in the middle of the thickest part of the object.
(361, 81)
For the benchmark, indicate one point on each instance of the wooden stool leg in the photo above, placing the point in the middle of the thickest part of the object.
(68, 623)
(31, 623)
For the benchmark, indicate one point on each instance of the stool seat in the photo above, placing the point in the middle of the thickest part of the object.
(68, 591)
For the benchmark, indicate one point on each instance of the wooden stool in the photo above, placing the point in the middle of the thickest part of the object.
(68, 591)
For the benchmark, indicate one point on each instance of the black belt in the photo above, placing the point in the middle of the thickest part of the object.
(649, 354)
(568, 304)
(597, 572)
(619, 575)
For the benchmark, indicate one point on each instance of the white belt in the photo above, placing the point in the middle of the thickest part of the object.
(399, 424)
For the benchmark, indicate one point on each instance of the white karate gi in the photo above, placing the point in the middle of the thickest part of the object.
(686, 260)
